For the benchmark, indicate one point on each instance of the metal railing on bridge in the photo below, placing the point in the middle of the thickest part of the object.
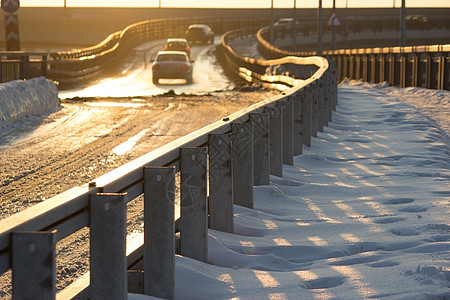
(21, 65)
(414, 66)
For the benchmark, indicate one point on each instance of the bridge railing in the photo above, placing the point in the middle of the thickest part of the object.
(203, 173)
(21, 65)
(414, 66)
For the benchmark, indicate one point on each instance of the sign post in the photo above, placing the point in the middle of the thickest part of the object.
(334, 21)
(11, 24)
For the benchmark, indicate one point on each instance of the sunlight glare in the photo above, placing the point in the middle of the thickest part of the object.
(267, 280)
(318, 241)
(129, 144)
(281, 242)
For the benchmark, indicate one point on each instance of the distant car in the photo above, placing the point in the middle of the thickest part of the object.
(286, 22)
(199, 33)
(172, 65)
(177, 44)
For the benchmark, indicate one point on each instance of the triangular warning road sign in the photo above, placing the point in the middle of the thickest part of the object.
(333, 19)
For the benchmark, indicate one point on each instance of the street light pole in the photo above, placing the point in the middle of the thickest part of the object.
(319, 29)
(403, 24)
(333, 32)
(271, 23)
(294, 29)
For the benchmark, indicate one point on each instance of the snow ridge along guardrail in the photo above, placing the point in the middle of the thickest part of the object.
(21, 98)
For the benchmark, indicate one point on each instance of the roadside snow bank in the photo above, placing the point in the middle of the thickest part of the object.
(20, 98)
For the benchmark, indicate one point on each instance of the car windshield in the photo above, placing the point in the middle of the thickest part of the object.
(171, 57)
(199, 30)
(176, 44)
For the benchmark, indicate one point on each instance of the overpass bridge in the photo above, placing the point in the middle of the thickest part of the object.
(410, 66)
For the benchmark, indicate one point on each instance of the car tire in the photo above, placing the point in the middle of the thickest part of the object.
(155, 80)
(189, 80)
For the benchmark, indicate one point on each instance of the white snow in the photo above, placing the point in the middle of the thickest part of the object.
(21, 98)
(362, 214)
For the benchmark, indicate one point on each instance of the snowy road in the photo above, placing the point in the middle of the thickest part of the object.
(136, 77)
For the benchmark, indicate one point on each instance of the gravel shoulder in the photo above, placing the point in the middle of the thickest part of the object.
(86, 138)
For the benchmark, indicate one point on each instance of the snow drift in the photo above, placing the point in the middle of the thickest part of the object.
(21, 98)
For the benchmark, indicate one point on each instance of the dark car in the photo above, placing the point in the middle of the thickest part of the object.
(177, 44)
(286, 22)
(172, 65)
(199, 33)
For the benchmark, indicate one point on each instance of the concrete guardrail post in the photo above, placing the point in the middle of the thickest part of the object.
(194, 208)
(159, 232)
(242, 160)
(275, 140)
(221, 211)
(108, 261)
(33, 265)
(261, 153)
(321, 106)
(288, 130)
(307, 115)
(298, 100)
(315, 109)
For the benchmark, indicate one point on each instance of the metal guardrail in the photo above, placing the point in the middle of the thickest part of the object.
(22, 65)
(243, 149)
(417, 66)
(414, 66)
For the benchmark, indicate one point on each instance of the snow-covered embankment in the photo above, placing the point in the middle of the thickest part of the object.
(21, 98)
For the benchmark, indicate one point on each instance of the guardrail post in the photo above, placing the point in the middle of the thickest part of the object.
(194, 212)
(24, 66)
(159, 230)
(275, 141)
(33, 265)
(1, 69)
(288, 130)
(261, 154)
(307, 115)
(220, 183)
(315, 109)
(44, 65)
(242, 160)
(334, 90)
(298, 128)
(108, 263)
(441, 74)
(328, 98)
(321, 107)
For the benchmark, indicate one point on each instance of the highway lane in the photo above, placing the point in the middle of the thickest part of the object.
(136, 76)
